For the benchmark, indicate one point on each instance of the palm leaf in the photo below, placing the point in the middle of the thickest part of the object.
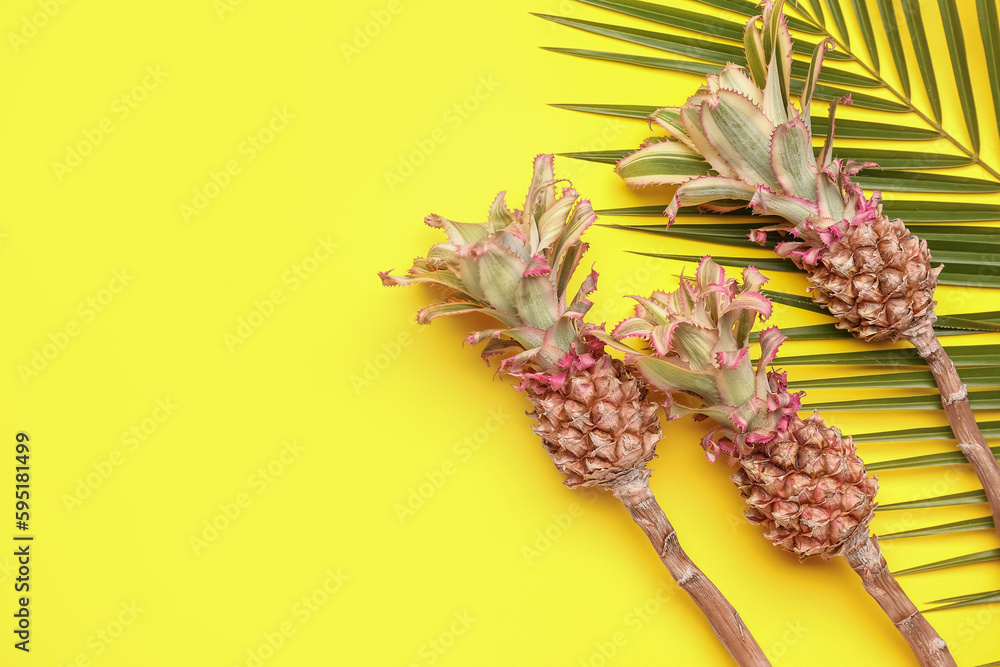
(963, 498)
(979, 400)
(960, 67)
(990, 429)
(911, 211)
(967, 600)
(935, 152)
(970, 559)
(973, 377)
(717, 40)
(978, 523)
(924, 461)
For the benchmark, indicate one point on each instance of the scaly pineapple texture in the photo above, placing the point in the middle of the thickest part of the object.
(742, 138)
(592, 414)
(802, 480)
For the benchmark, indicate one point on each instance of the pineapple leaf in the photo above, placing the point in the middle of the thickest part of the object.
(978, 523)
(663, 162)
(970, 559)
(964, 498)
(668, 377)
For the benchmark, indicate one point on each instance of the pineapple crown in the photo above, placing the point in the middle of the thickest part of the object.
(699, 340)
(742, 141)
(516, 268)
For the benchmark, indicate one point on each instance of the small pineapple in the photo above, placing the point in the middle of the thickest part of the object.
(592, 415)
(742, 138)
(802, 480)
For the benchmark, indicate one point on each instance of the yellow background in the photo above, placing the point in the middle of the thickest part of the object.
(356, 410)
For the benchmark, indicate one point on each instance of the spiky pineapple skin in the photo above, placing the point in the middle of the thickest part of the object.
(808, 487)
(877, 280)
(598, 424)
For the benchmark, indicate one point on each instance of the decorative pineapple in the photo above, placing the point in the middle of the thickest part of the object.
(802, 480)
(742, 141)
(592, 414)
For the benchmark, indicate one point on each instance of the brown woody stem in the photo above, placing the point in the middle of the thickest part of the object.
(955, 399)
(633, 490)
(865, 557)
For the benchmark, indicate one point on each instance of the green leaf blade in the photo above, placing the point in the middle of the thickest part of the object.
(892, 32)
(960, 67)
(970, 600)
(915, 22)
(865, 23)
(979, 400)
(989, 29)
(950, 500)
(838, 19)
(957, 561)
(908, 181)
(973, 377)
(978, 523)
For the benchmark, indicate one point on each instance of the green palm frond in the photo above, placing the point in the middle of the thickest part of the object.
(963, 498)
(711, 39)
(921, 145)
(970, 559)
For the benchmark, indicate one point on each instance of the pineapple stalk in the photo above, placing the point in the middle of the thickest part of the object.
(741, 141)
(866, 559)
(955, 399)
(591, 412)
(801, 479)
